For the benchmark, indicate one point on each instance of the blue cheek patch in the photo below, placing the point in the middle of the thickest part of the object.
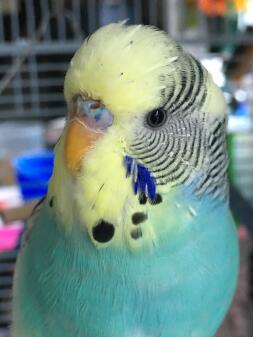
(142, 179)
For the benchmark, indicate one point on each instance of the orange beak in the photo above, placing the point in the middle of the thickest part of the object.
(88, 122)
(79, 140)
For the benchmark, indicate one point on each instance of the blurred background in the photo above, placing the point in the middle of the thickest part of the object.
(37, 40)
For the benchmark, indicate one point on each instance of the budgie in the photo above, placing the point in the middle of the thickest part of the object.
(135, 237)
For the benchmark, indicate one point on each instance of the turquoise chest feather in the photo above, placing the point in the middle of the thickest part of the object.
(181, 287)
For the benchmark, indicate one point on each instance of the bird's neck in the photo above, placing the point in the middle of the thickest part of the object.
(102, 192)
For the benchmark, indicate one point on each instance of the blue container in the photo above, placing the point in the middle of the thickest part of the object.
(33, 172)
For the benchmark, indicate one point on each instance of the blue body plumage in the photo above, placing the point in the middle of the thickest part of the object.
(181, 288)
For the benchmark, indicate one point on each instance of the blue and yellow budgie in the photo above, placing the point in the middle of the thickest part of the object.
(135, 237)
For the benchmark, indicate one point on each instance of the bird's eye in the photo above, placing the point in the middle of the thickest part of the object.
(92, 113)
(156, 117)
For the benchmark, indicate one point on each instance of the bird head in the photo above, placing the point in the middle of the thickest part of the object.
(145, 118)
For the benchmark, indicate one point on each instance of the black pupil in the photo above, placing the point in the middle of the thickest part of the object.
(156, 117)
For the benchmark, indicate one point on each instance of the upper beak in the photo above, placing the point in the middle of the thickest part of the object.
(88, 121)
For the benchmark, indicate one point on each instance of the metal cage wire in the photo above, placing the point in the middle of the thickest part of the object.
(37, 40)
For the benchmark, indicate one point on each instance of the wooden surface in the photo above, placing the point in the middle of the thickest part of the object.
(23, 212)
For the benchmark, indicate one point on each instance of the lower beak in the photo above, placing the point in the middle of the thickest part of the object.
(89, 120)
(79, 139)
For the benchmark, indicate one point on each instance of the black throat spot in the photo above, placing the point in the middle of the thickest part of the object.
(103, 231)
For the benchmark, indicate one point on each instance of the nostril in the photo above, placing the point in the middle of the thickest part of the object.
(96, 105)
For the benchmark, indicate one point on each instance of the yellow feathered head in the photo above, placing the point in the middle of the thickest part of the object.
(144, 118)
